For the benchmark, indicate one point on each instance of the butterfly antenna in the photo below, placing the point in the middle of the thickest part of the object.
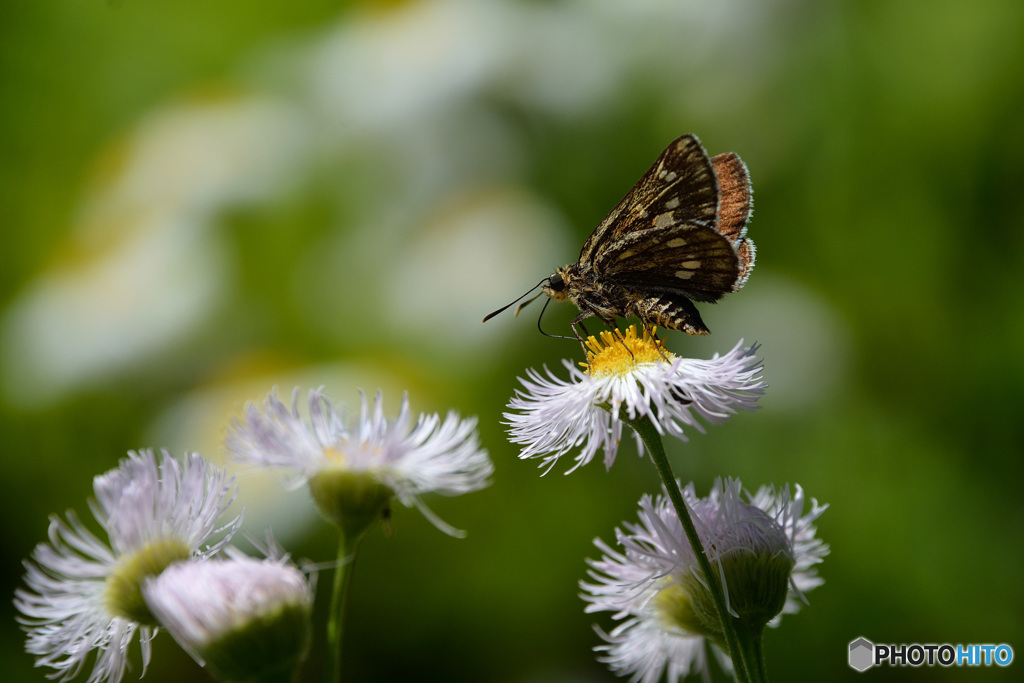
(500, 310)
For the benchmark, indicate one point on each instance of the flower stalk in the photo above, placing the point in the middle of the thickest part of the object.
(741, 651)
(749, 638)
(348, 547)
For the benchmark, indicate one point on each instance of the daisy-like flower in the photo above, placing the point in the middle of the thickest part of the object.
(354, 471)
(628, 378)
(242, 618)
(764, 548)
(85, 593)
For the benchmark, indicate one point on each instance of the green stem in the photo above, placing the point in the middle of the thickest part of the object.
(347, 548)
(652, 439)
(753, 654)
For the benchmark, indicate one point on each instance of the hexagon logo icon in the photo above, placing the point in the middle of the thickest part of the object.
(862, 654)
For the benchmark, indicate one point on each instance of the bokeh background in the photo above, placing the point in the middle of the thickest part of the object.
(202, 201)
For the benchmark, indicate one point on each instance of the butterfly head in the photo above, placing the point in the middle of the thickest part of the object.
(557, 285)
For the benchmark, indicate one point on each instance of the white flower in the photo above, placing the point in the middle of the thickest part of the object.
(85, 593)
(354, 470)
(628, 378)
(765, 549)
(243, 618)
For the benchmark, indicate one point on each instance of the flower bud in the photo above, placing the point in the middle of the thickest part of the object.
(243, 619)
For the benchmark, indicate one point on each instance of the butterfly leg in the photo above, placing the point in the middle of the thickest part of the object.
(610, 323)
(653, 332)
(618, 335)
(578, 321)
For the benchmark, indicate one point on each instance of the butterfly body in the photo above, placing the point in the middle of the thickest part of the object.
(678, 236)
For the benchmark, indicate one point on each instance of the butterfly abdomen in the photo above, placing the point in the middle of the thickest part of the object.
(670, 311)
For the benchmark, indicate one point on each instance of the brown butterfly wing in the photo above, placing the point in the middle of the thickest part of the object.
(735, 206)
(696, 262)
(679, 189)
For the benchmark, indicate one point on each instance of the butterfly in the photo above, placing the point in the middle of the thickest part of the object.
(678, 236)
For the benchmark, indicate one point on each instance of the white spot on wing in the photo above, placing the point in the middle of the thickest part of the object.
(684, 274)
(664, 220)
(676, 242)
(625, 255)
(670, 176)
(691, 265)
(672, 203)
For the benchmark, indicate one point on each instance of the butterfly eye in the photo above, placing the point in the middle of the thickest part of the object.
(556, 282)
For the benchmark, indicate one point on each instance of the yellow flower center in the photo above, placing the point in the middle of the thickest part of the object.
(620, 353)
(335, 456)
(680, 608)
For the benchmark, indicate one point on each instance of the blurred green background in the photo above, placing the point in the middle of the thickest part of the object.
(202, 201)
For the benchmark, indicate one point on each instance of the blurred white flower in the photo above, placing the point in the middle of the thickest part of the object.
(79, 323)
(197, 418)
(354, 470)
(628, 377)
(197, 157)
(85, 593)
(143, 266)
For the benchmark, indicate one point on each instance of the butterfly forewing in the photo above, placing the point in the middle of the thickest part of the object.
(699, 263)
(680, 188)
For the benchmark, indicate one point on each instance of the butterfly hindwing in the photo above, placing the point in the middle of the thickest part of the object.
(747, 255)
(735, 206)
(680, 188)
(695, 261)
(735, 198)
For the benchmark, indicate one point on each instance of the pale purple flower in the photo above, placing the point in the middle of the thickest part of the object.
(217, 608)
(550, 416)
(410, 458)
(84, 592)
(654, 589)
